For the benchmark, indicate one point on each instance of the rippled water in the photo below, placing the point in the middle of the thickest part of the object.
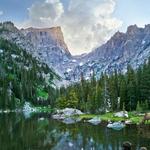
(18, 133)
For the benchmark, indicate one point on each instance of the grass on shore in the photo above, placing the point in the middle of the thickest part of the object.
(133, 117)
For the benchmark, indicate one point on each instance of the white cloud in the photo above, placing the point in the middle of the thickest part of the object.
(85, 23)
(1, 13)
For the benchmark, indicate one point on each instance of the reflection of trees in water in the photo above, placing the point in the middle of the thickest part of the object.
(144, 131)
(19, 134)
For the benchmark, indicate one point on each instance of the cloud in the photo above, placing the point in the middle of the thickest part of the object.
(1, 13)
(85, 23)
(44, 14)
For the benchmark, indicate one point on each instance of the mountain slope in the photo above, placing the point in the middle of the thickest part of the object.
(45, 44)
(22, 77)
(132, 47)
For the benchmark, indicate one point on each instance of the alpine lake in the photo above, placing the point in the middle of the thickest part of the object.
(41, 132)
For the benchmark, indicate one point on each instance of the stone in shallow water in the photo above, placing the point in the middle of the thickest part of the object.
(71, 120)
(41, 119)
(116, 125)
(128, 122)
(95, 120)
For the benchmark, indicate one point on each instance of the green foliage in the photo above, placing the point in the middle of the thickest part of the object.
(71, 101)
(42, 94)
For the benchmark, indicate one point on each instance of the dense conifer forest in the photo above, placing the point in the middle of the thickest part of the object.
(129, 91)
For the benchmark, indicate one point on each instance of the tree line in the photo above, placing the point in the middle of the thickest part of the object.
(113, 92)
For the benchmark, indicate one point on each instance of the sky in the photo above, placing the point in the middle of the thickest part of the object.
(86, 24)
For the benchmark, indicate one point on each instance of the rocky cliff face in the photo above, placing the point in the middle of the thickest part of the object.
(132, 47)
(46, 37)
(49, 46)
(45, 44)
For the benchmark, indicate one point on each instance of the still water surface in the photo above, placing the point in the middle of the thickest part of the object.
(18, 133)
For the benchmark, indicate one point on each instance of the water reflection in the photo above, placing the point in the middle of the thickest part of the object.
(18, 133)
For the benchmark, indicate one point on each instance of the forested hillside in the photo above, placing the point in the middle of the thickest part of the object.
(130, 91)
(23, 78)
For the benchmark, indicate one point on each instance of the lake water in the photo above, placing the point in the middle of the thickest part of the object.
(35, 133)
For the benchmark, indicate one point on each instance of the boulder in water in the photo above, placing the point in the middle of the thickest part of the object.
(95, 120)
(116, 125)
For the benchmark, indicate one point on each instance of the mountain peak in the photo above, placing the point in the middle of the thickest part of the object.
(53, 35)
(8, 25)
(132, 29)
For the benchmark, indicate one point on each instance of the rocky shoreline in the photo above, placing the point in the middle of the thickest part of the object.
(116, 120)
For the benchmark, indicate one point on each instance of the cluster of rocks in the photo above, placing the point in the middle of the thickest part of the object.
(67, 115)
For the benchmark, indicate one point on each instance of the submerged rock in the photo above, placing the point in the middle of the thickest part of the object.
(121, 114)
(116, 125)
(95, 120)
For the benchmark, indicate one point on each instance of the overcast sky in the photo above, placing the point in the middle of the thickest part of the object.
(86, 24)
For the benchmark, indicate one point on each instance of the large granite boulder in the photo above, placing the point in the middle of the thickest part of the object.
(66, 113)
(121, 114)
